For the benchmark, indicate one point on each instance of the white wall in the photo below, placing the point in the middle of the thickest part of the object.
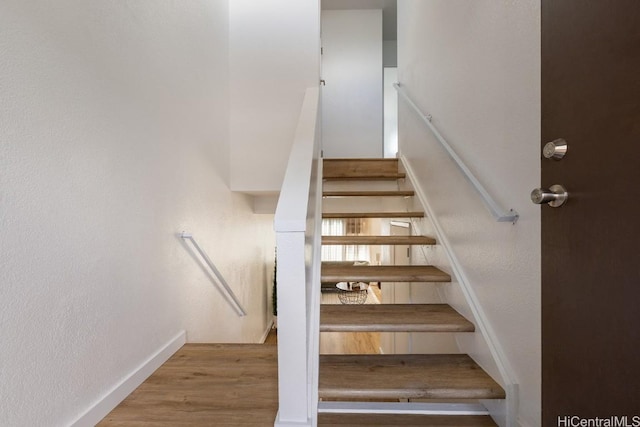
(274, 57)
(113, 138)
(475, 66)
(390, 113)
(390, 53)
(352, 67)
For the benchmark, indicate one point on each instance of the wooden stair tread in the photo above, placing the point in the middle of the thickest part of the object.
(410, 420)
(392, 318)
(414, 214)
(382, 273)
(369, 193)
(360, 169)
(359, 166)
(378, 240)
(410, 376)
(363, 177)
(204, 385)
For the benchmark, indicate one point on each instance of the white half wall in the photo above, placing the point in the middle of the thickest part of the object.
(352, 103)
(274, 57)
(114, 137)
(475, 67)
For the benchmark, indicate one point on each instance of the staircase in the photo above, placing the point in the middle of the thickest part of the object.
(392, 389)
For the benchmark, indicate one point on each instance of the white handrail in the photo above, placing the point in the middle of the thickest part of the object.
(236, 304)
(501, 215)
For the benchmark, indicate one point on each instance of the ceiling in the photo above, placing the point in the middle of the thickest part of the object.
(389, 12)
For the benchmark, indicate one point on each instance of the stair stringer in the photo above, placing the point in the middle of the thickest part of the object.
(483, 346)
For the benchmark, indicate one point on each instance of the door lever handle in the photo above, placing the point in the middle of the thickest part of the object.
(555, 196)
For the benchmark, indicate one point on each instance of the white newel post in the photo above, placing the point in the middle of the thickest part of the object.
(292, 330)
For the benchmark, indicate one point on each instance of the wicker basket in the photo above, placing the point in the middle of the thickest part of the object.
(352, 293)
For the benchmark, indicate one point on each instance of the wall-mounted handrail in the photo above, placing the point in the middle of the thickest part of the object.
(236, 304)
(500, 214)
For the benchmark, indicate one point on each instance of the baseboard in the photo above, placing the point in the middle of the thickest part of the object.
(266, 333)
(110, 400)
(522, 422)
(279, 423)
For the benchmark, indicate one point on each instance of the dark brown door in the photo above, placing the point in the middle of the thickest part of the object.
(590, 246)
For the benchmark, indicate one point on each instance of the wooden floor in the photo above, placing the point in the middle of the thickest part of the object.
(272, 337)
(223, 384)
(236, 385)
(350, 342)
(206, 385)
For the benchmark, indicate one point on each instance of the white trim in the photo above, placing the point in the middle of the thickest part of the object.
(315, 295)
(402, 224)
(482, 322)
(524, 423)
(417, 408)
(264, 336)
(117, 394)
(279, 423)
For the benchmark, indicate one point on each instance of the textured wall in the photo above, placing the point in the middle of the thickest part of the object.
(274, 57)
(113, 138)
(475, 66)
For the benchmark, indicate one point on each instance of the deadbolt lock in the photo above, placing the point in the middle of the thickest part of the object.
(555, 150)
